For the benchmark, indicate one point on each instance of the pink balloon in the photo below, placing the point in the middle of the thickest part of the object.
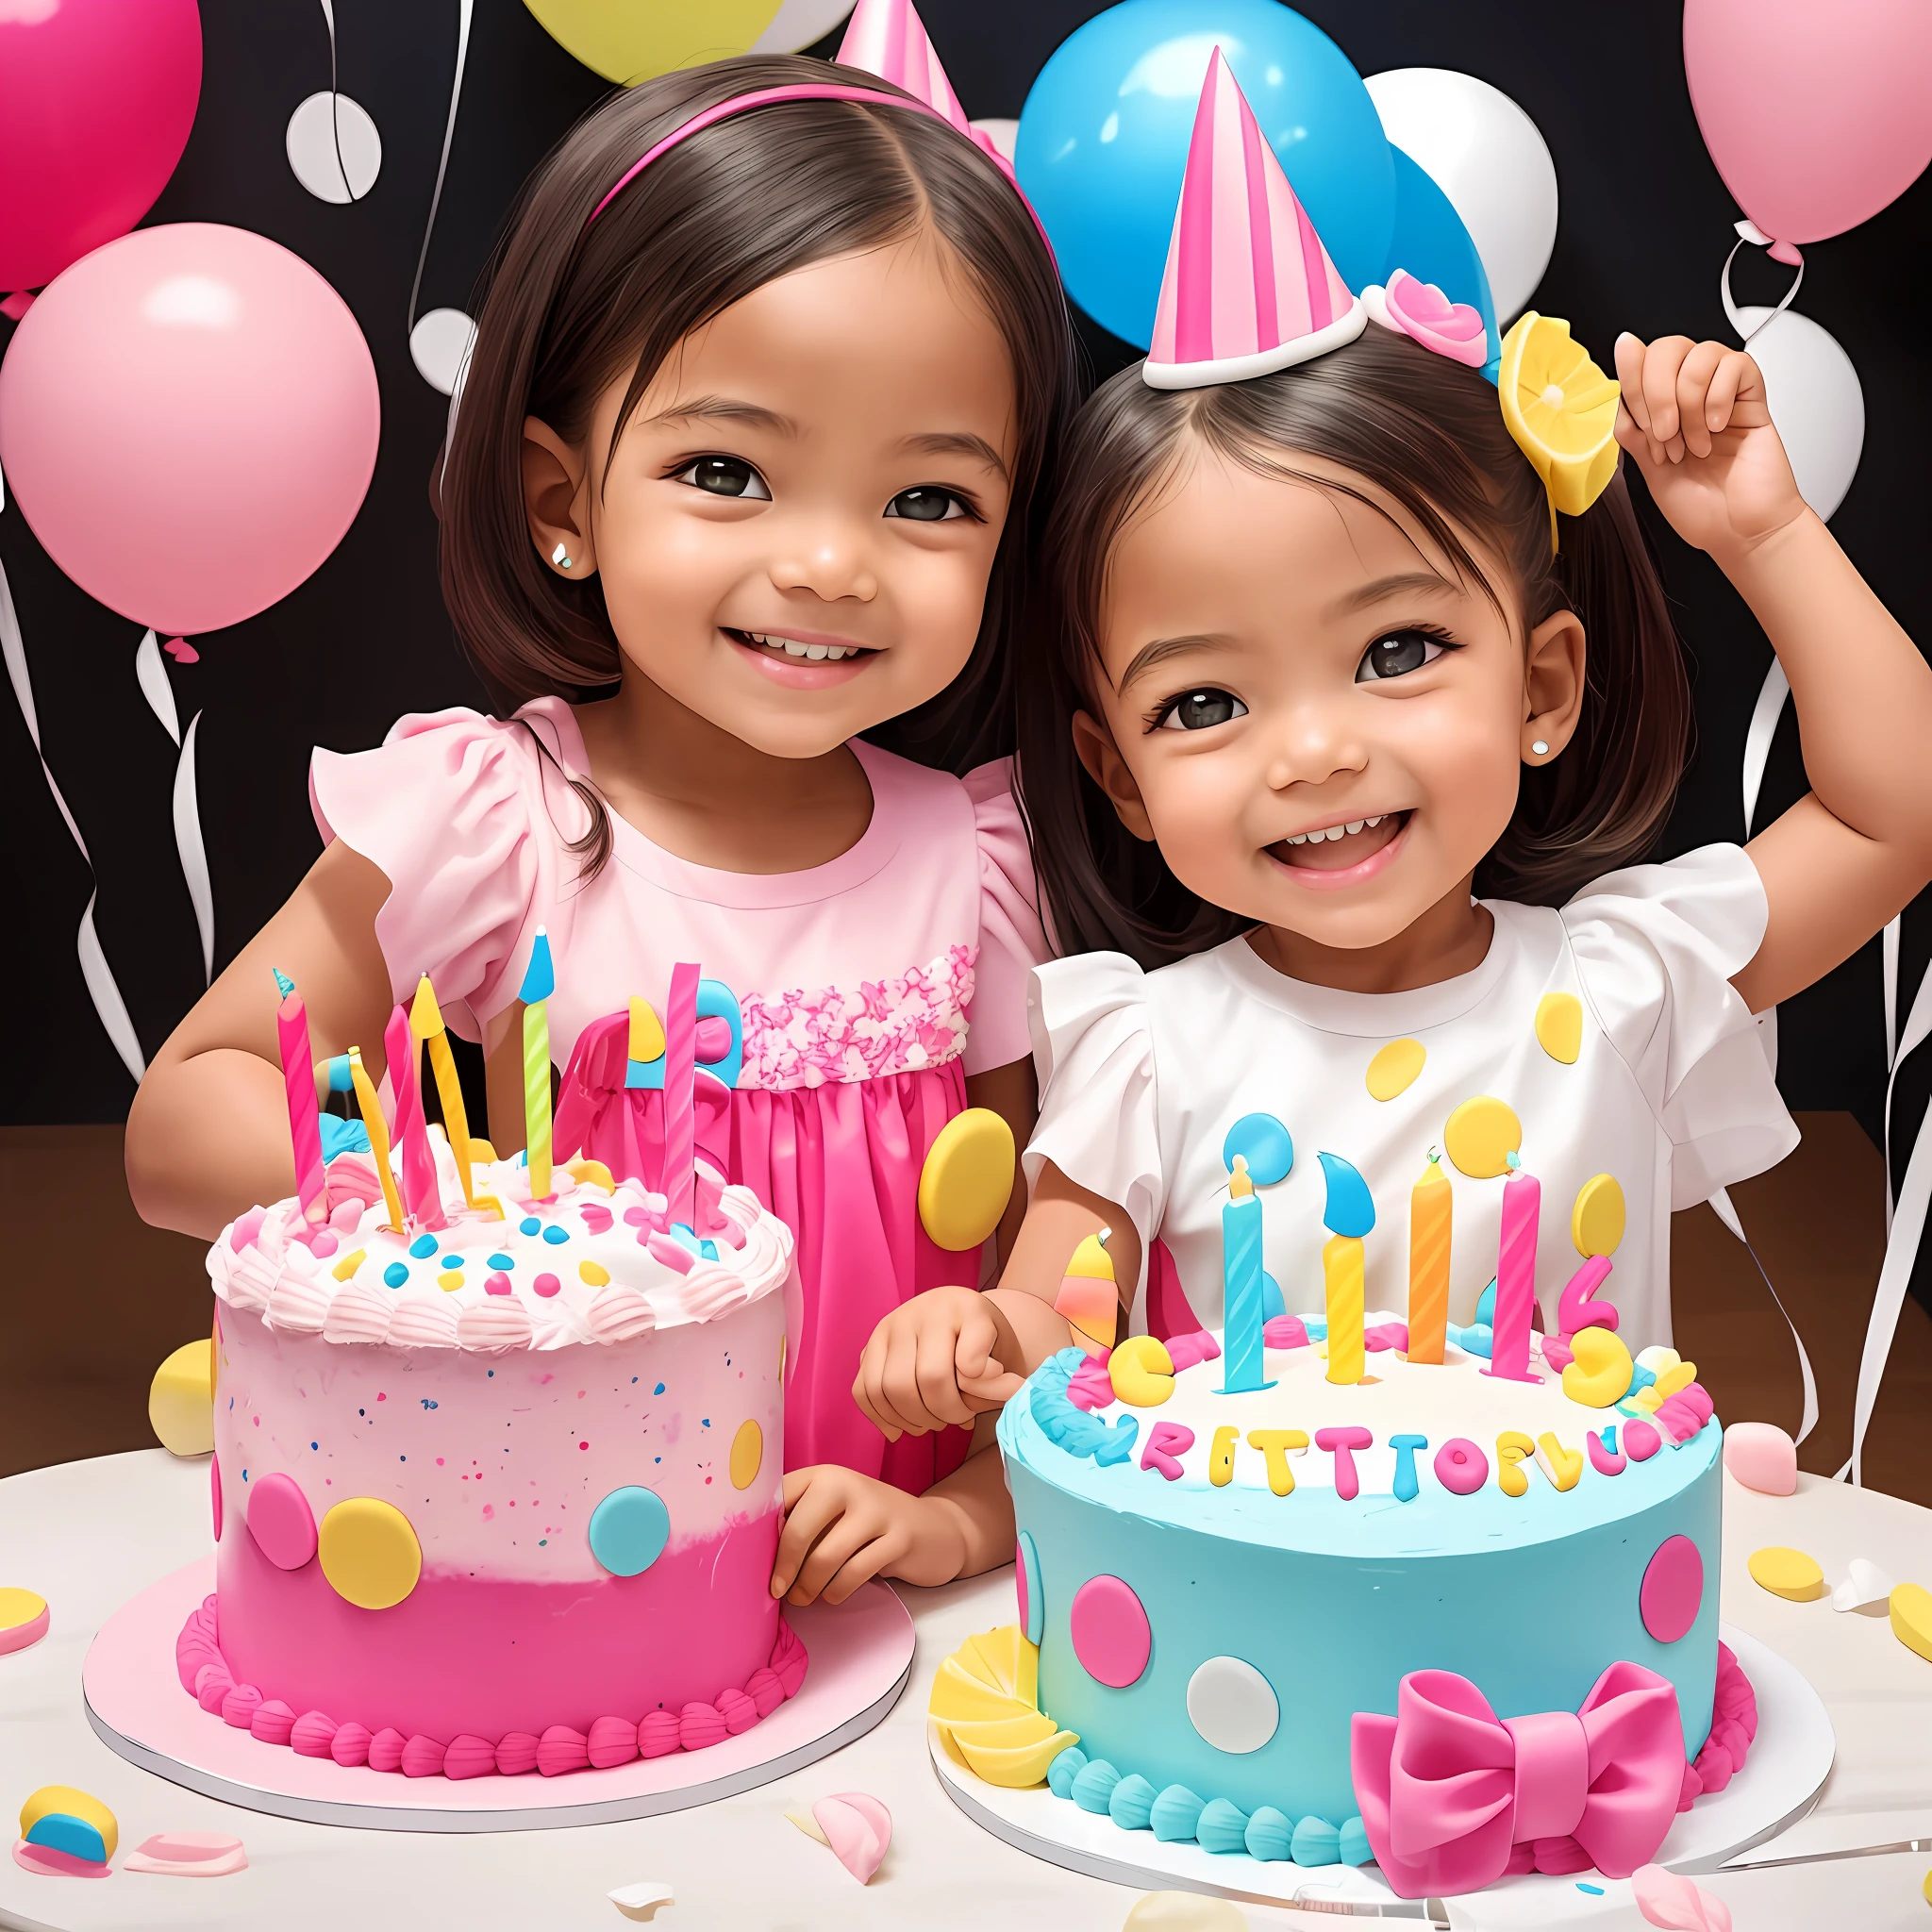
(96, 98)
(1817, 115)
(188, 420)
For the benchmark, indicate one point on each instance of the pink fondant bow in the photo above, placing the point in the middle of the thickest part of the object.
(1446, 1789)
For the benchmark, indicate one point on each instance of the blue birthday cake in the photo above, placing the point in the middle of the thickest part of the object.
(1295, 1621)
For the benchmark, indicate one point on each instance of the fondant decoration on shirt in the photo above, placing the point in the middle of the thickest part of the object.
(1264, 1143)
(180, 1400)
(1404, 1488)
(1605, 1456)
(1431, 1221)
(1232, 1705)
(1762, 1456)
(58, 1818)
(1088, 1295)
(747, 1454)
(1559, 1026)
(24, 1619)
(1184, 1911)
(1342, 1443)
(280, 1520)
(1349, 1214)
(1677, 1903)
(187, 1855)
(967, 1180)
(1109, 1631)
(1787, 1572)
(1609, 1776)
(1221, 1456)
(1910, 1608)
(1395, 1068)
(1563, 1467)
(1277, 1445)
(1141, 1372)
(1243, 1299)
(1167, 1443)
(986, 1704)
(1640, 1441)
(1599, 1372)
(1865, 1584)
(1027, 1585)
(629, 1530)
(641, 1901)
(369, 1552)
(1596, 1220)
(1462, 1467)
(1673, 1589)
(1480, 1136)
(1513, 1447)
(643, 1046)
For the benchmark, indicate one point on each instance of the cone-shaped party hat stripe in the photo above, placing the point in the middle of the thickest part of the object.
(1249, 288)
(888, 38)
(1089, 1296)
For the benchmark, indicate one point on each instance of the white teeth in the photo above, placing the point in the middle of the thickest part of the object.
(1355, 824)
(793, 648)
(815, 651)
(1372, 823)
(1330, 832)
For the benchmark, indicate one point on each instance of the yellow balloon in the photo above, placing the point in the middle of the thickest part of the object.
(1559, 1026)
(1596, 1222)
(630, 41)
(1481, 1135)
(369, 1552)
(967, 1179)
(1395, 1068)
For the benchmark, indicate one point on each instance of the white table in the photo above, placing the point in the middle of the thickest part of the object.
(89, 1535)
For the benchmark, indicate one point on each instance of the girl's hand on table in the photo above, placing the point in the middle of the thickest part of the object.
(843, 1528)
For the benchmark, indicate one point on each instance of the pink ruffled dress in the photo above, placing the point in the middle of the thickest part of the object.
(869, 987)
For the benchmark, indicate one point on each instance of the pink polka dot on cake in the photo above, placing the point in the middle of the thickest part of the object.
(282, 1521)
(1111, 1633)
(596, 1219)
(497, 1284)
(1673, 1589)
(546, 1285)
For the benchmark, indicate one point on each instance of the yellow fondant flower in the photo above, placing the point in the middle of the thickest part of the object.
(985, 1701)
(1561, 409)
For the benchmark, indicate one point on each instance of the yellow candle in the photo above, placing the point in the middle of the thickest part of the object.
(378, 1136)
(1341, 1272)
(1431, 1211)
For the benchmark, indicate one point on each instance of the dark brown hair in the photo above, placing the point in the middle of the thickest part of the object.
(736, 205)
(1426, 434)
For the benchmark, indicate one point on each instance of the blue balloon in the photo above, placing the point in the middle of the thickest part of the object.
(1263, 1142)
(1104, 137)
(1431, 243)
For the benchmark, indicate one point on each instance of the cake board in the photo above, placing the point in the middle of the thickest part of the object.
(1780, 1782)
(860, 1657)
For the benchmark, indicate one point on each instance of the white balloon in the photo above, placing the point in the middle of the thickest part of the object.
(1003, 134)
(440, 346)
(1485, 153)
(337, 157)
(800, 24)
(1816, 401)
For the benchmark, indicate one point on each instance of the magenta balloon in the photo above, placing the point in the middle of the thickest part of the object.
(96, 98)
(188, 420)
(1817, 114)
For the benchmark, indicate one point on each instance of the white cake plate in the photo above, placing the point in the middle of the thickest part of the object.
(859, 1652)
(1790, 1761)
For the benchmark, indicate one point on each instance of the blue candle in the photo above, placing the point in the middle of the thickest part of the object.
(1241, 1309)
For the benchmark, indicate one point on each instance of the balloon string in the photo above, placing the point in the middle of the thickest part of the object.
(465, 9)
(1723, 284)
(335, 104)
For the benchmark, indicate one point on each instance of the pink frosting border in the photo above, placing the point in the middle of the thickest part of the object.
(611, 1741)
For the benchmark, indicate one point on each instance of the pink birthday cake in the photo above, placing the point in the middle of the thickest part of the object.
(501, 1494)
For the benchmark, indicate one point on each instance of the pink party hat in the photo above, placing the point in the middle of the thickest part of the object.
(1249, 288)
(888, 38)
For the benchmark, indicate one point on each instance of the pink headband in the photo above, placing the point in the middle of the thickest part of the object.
(800, 91)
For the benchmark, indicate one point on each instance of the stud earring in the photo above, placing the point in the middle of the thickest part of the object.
(559, 558)
(1541, 749)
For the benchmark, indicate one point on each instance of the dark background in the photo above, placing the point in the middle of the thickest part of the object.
(1645, 225)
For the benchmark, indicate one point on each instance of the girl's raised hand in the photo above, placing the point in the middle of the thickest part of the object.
(1694, 418)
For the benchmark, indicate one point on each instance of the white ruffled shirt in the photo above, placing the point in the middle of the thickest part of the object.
(1141, 1075)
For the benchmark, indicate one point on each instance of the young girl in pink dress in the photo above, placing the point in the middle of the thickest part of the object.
(772, 360)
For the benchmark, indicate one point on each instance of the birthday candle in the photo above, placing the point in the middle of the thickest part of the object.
(425, 1025)
(540, 982)
(377, 1128)
(1349, 1215)
(1431, 1213)
(1241, 1311)
(680, 1094)
(298, 1083)
(422, 1197)
(1522, 1199)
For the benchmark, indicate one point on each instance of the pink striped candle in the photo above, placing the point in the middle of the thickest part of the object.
(421, 1197)
(1523, 1199)
(298, 1082)
(679, 1180)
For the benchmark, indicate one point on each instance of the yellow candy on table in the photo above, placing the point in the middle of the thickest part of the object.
(1787, 1574)
(1141, 1372)
(1910, 1605)
(967, 1180)
(181, 1399)
(984, 1701)
(65, 1801)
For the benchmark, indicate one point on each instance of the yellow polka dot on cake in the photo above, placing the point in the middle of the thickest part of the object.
(1393, 1070)
(747, 1454)
(368, 1551)
(1481, 1135)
